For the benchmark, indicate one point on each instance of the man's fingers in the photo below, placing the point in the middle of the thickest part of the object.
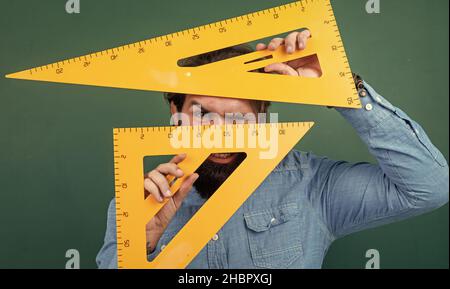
(150, 186)
(184, 189)
(281, 68)
(306, 33)
(170, 169)
(275, 43)
(309, 72)
(156, 183)
(291, 42)
(161, 182)
(304, 61)
(302, 39)
(261, 46)
(178, 159)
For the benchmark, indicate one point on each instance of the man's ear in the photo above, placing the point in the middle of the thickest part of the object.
(173, 108)
(174, 113)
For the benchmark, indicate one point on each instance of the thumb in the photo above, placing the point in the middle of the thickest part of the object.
(280, 68)
(184, 189)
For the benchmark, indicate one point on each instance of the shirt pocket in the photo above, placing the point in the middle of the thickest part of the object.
(274, 236)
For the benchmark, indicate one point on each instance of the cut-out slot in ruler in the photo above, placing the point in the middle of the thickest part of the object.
(133, 212)
(152, 64)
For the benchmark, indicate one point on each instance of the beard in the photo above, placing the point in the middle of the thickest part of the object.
(212, 175)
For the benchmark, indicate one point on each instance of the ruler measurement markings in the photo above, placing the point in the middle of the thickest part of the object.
(215, 23)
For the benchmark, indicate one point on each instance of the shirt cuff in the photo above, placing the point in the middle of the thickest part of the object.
(374, 110)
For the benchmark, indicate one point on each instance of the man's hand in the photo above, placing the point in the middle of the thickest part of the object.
(304, 67)
(156, 185)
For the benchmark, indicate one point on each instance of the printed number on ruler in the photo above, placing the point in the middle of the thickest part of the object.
(152, 64)
(133, 212)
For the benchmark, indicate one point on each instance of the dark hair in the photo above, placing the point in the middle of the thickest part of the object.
(178, 99)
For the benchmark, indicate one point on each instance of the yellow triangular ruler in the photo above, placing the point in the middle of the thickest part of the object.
(152, 64)
(133, 212)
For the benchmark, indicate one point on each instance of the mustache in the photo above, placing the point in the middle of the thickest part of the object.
(212, 175)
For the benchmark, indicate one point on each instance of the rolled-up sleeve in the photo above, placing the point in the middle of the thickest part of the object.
(410, 177)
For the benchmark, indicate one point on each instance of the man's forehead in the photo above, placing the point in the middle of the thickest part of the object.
(204, 98)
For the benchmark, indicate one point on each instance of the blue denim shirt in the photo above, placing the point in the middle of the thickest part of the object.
(308, 201)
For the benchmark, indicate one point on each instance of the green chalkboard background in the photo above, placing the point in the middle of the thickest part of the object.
(56, 165)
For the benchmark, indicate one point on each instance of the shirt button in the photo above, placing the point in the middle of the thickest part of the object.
(273, 220)
(162, 247)
(215, 237)
(369, 107)
(363, 93)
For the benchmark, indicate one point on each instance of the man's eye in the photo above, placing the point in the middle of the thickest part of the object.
(199, 114)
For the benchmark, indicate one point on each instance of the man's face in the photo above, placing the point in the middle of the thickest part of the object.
(218, 107)
(218, 167)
